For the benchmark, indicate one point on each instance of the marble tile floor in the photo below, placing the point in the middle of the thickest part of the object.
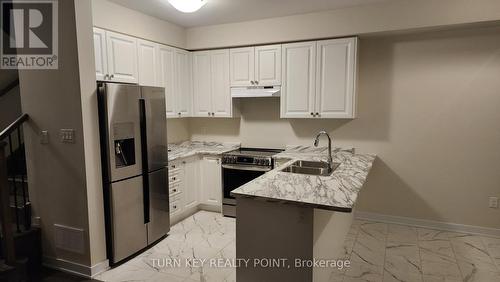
(377, 252)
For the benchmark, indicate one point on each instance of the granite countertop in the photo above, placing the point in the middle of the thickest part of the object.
(337, 191)
(191, 148)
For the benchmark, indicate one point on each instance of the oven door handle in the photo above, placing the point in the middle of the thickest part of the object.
(246, 167)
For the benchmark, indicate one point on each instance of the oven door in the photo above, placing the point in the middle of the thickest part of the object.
(233, 176)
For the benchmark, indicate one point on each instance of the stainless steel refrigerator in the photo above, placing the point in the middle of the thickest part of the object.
(133, 133)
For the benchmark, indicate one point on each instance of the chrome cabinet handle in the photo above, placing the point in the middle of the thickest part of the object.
(112, 76)
(256, 82)
(208, 113)
(251, 81)
(106, 76)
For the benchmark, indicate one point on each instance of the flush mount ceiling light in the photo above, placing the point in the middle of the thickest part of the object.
(187, 6)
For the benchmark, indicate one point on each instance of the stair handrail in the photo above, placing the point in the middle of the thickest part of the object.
(13, 126)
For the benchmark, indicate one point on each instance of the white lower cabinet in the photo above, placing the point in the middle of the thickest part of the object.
(211, 184)
(191, 183)
(194, 181)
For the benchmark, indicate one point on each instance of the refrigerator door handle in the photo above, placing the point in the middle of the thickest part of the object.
(145, 169)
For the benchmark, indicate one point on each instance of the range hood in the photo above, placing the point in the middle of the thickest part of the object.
(255, 91)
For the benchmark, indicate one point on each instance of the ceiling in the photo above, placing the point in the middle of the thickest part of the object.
(229, 11)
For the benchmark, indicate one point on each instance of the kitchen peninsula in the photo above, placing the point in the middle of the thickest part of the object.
(280, 211)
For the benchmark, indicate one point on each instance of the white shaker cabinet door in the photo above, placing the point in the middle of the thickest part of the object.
(100, 54)
(148, 57)
(335, 78)
(211, 184)
(298, 80)
(268, 65)
(242, 66)
(122, 57)
(191, 182)
(202, 101)
(167, 77)
(221, 91)
(183, 82)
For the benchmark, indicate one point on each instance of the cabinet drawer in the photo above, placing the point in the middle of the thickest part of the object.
(173, 166)
(174, 189)
(175, 207)
(175, 177)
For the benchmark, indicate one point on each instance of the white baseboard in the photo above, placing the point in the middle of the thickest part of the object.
(75, 268)
(430, 224)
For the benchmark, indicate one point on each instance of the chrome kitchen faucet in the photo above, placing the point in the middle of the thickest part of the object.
(316, 142)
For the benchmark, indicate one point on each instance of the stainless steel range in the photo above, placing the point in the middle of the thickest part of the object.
(242, 166)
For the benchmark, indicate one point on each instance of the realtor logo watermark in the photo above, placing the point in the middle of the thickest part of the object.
(29, 34)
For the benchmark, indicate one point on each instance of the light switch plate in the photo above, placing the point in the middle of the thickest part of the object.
(493, 202)
(44, 137)
(67, 135)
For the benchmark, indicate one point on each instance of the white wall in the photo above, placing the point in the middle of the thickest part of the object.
(357, 20)
(10, 107)
(177, 130)
(64, 178)
(93, 172)
(428, 106)
(111, 16)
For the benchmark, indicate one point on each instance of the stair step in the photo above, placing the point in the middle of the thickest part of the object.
(20, 202)
(4, 268)
(18, 179)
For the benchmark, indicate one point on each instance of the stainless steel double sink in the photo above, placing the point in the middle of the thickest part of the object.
(311, 167)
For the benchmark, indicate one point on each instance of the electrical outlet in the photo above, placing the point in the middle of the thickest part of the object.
(493, 202)
(44, 137)
(67, 135)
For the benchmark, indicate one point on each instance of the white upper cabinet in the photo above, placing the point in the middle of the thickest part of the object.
(101, 63)
(148, 58)
(211, 90)
(319, 79)
(298, 85)
(335, 78)
(202, 94)
(242, 66)
(221, 92)
(182, 83)
(167, 77)
(175, 74)
(122, 57)
(268, 65)
(259, 66)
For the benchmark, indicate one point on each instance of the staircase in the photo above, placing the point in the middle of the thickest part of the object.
(20, 247)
